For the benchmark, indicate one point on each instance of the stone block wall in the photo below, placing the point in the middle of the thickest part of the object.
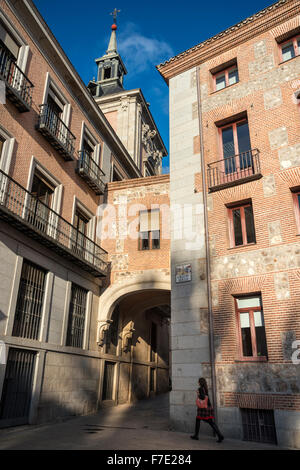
(189, 332)
(70, 386)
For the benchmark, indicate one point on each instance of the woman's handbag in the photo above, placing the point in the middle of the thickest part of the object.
(202, 403)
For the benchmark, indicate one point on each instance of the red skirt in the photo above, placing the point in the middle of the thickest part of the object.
(205, 413)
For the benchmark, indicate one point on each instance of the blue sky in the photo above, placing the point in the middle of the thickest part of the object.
(148, 34)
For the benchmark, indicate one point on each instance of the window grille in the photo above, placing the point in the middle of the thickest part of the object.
(259, 425)
(77, 315)
(17, 386)
(30, 301)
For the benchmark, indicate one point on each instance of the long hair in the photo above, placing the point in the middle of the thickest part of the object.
(203, 384)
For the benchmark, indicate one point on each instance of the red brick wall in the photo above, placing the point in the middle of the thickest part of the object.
(29, 142)
(281, 315)
(151, 191)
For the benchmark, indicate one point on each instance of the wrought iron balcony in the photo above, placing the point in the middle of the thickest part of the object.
(18, 87)
(56, 132)
(30, 215)
(88, 169)
(234, 170)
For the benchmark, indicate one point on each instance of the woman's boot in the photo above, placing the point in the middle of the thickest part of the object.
(217, 431)
(197, 428)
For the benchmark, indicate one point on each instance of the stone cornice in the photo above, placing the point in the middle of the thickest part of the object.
(262, 21)
(135, 183)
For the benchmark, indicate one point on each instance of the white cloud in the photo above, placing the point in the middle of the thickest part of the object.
(140, 52)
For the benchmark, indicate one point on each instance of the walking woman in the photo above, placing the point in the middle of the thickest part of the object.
(206, 412)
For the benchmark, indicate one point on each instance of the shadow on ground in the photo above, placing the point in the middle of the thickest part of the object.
(141, 426)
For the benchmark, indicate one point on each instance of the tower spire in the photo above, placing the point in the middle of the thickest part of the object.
(111, 69)
(112, 46)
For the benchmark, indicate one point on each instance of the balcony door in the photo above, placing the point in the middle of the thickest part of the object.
(236, 148)
(40, 205)
(81, 230)
(9, 52)
(54, 115)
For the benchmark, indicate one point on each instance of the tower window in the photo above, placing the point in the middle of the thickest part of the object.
(107, 73)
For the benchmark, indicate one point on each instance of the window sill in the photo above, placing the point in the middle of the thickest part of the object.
(226, 88)
(252, 359)
(148, 249)
(288, 60)
(241, 246)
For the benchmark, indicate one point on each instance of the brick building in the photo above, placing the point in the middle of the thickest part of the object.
(59, 154)
(85, 308)
(234, 157)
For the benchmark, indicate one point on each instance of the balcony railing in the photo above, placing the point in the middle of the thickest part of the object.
(28, 214)
(18, 86)
(56, 132)
(234, 170)
(88, 169)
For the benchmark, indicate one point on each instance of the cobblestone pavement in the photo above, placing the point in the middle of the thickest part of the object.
(142, 426)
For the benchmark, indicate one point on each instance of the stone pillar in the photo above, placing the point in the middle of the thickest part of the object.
(189, 330)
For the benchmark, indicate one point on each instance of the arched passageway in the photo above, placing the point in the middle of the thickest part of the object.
(134, 337)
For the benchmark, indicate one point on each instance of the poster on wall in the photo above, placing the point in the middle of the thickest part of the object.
(183, 273)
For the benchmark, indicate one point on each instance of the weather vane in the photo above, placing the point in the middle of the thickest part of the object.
(115, 14)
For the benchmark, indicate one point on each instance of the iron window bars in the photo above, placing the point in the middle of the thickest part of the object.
(77, 314)
(259, 425)
(30, 302)
(30, 215)
(17, 388)
(18, 86)
(56, 132)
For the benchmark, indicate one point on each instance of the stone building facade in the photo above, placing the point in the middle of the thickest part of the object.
(234, 156)
(58, 154)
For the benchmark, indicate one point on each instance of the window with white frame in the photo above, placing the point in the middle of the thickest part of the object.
(45, 203)
(7, 143)
(42, 184)
(12, 43)
(57, 107)
(90, 152)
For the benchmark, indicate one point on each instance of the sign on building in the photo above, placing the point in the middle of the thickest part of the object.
(183, 273)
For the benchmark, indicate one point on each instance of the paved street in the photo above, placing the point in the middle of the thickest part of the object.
(143, 426)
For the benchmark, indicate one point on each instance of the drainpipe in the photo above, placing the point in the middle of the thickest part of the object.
(208, 270)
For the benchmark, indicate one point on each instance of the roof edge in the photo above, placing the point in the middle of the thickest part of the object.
(164, 67)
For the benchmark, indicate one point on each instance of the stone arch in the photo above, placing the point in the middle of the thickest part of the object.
(151, 280)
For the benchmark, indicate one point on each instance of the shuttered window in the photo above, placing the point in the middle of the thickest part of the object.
(149, 230)
(77, 315)
(9, 42)
(30, 301)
